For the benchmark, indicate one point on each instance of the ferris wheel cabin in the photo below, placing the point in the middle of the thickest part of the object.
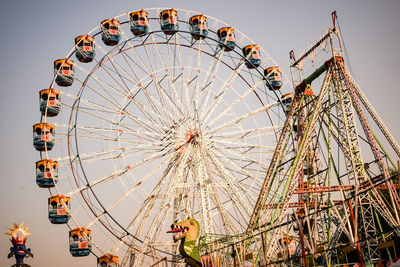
(274, 77)
(79, 242)
(46, 173)
(252, 55)
(198, 26)
(108, 260)
(226, 37)
(169, 21)
(110, 33)
(139, 21)
(59, 206)
(287, 100)
(64, 72)
(84, 48)
(43, 136)
(50, 104)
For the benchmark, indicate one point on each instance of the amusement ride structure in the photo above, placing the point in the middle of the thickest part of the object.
(166, 115)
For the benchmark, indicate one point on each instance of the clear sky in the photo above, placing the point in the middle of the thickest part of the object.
(37, 32)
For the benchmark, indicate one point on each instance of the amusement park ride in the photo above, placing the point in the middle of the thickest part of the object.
(168, 122)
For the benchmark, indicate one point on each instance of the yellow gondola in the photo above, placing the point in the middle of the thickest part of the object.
(43, 136)
(252, 55)
(287, 100)
(85, 48)
(110, 33)
(226, 37)
(198, 26)
(274, 77)
(108, 260)
(46, 173)
(64, 71)
(80, 242)
(50, 102)
(139, 21)
(58, 209)
(169, 21)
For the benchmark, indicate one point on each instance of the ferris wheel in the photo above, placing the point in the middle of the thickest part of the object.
(154, 116)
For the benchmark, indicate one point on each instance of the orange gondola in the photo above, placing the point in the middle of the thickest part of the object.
(287, 100)
(85, 48)
(46, 173)
(108, 260)
(59, 207)
(43, 136)
(274, 77)
(110, 33)
(198, 26)
(80, 242)
(169, 21)
(252, 55)
(50, 102)
(226, 37)
(64, 71)
(139, 21)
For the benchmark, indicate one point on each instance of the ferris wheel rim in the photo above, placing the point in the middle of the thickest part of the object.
(179, 31)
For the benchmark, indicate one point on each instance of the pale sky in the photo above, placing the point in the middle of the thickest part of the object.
(37, 32)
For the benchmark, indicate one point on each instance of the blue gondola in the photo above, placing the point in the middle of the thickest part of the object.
(43, 136)
(198, 26)
(50, 102)
(46, 173)
(59, 207)
(64, 71)
(169, 21)
(226, 37)
(274, 77)
(252, 55)
(287, 100)
(139, 21)
(85, 48)
(110, 33)
(80, 242)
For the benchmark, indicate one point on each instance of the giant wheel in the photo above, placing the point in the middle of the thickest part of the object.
(164, 124)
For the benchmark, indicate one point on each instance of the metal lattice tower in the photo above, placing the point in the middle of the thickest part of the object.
(322, 156)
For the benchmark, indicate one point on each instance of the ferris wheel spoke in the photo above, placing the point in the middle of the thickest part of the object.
(151, 73)
(237, 101)
(166, 199)
(241, 118)
(135, 187)
(127, 75)
(232, 184)
(240, 165)
(64, 161)
(102, 83)
(197, 89)
(98, 132)
(177, 107)
(108, 97)
(242, 146)
(90, 105)
(213, 70)
(247, 133)
(220, 92)
(225, 218)
(117, 174)
(95, 114)
(184, 89)
(209, 191)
